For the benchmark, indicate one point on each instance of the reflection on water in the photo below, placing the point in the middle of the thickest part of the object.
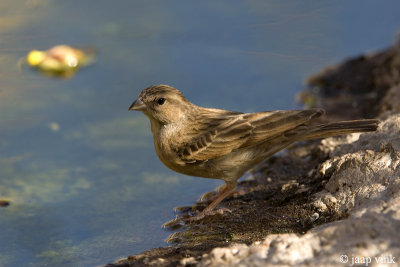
(83, 181)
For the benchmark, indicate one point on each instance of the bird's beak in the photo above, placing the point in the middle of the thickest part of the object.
(137, 105)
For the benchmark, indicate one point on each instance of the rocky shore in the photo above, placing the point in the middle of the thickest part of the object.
(331, 202)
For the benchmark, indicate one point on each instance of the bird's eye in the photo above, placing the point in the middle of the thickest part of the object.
(161, 101)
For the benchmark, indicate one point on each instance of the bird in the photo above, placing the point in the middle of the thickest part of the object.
(222, 144)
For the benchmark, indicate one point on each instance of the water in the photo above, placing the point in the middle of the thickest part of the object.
(85, 185)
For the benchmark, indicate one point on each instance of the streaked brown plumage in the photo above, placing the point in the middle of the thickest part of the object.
(221, 144)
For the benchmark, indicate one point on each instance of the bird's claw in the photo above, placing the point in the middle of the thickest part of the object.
(174, 224)
(207, 197)
(181, 221)
(205, 213)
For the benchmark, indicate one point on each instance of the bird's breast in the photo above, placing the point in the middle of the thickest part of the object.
(164, 144)
(167, 142)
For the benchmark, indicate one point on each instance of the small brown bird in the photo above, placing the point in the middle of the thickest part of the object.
(221, 144)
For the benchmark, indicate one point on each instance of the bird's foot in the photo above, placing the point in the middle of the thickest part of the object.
(175, 223)
(208, 197)
(205, 213)
(212, 195)
(187, 219)
(190, 209)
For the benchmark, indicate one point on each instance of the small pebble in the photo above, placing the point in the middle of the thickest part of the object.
(4, 203)
(314, 217)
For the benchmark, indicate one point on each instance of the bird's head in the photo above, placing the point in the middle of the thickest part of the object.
(162, 103)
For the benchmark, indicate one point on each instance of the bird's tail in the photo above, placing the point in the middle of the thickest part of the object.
(338, 128)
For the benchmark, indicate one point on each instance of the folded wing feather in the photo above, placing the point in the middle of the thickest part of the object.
(226, 132)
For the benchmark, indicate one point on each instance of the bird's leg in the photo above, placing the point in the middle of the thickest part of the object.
(204, 199)
(212, 195)
(226, 191)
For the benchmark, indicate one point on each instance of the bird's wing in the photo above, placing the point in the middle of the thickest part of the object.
(223, 132)
(220, 133)
(268, 125)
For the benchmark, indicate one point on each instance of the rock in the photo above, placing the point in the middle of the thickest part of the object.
(4, 203)
(361, 87)
(188, 261)
(226, 256)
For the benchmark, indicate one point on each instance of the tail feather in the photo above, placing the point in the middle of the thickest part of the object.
(341, 127)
